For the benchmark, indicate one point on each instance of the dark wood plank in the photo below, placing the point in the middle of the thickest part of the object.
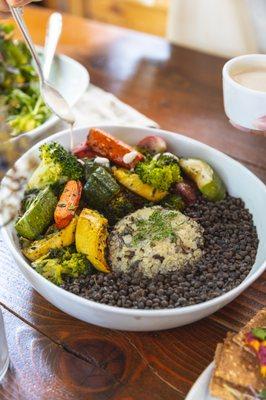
(162, 360)
(42, 369)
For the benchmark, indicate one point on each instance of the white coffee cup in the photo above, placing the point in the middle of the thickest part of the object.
(243, 106)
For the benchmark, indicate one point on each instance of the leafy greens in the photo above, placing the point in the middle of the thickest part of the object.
(20, 100)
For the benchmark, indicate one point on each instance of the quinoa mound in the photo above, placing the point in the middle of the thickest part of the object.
(155, 240)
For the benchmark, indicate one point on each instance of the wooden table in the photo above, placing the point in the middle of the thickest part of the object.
(56, 357)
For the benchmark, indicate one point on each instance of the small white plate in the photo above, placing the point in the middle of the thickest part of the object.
(71, 79)
(200, 389)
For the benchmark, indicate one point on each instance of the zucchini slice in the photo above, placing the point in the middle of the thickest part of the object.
(100, 188)
(207, 180)
(38, 216)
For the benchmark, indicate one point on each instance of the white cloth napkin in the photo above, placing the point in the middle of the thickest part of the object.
(98, 106)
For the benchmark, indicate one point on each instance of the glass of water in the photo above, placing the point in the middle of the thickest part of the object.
(4, 358)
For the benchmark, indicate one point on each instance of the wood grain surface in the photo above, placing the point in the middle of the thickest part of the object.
(54, 356)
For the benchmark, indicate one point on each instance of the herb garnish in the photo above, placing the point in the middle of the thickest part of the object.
(156, 227)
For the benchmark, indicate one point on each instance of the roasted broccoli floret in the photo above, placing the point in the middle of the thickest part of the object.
(75, 265)
(57, 166)
(60, 263)
(50, 268)
(122, 204)
(160, 171)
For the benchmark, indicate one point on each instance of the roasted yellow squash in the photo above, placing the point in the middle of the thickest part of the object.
(133, 182)
(91, 237)
(63, 238)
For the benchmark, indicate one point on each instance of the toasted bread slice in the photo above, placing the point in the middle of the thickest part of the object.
(218, 354)
(258, 321)
(226, 391)
(238, 367)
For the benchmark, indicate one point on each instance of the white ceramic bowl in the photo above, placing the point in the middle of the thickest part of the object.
(71, 79)
(239, 181)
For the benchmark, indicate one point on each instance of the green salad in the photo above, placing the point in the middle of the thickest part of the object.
(20, 100)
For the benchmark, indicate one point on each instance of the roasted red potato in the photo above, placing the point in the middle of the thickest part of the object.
(153, 144)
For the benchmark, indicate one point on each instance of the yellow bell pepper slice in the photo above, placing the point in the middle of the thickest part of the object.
(133, 182)
(65, 237)
(91, 238)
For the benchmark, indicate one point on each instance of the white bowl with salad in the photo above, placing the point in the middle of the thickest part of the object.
(21, 106)
(171, 255)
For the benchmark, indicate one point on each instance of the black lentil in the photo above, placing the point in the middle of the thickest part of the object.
(229, 252)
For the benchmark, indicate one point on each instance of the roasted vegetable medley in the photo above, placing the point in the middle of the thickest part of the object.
(20, 102)
(79, 206)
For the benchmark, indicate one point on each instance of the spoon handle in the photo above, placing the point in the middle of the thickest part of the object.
(18, 17)
(53, 33)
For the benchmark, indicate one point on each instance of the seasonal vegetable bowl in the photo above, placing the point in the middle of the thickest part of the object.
(84, 216)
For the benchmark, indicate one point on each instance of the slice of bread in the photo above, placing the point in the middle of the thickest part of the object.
(258, 321)
(237, 366)
(226, 391)
(237, 371)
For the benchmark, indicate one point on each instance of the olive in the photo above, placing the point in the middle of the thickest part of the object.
(187, 191)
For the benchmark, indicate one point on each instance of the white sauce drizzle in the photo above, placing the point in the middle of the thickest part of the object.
(102, 161)
(60, 107)
(130, 157)
(166, 154)
(71, 126)
(171, 155)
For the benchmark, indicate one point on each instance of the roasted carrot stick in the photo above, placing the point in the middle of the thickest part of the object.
(68, 203)
(115, 150)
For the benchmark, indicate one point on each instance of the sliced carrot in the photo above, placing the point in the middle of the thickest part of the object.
(106, 145)
(68, 204)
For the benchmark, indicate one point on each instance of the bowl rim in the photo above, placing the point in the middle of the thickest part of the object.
(222, 299)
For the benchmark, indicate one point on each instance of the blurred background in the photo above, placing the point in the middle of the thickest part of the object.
(222, 27)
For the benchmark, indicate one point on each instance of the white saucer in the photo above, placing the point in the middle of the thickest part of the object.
(200, 389)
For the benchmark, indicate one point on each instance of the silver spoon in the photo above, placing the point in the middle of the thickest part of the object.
(53, 33)
(53, 99)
